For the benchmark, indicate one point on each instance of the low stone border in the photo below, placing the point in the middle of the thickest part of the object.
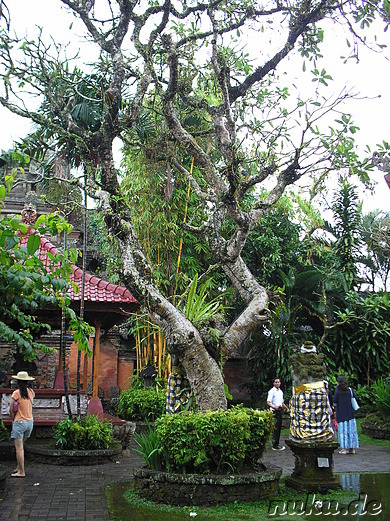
(7, 450)
(53, 456)
(381, 433)
(205, 490)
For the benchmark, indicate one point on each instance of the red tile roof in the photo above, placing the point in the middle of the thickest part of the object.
(96, 289)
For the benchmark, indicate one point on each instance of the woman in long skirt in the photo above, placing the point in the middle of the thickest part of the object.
(345, 417)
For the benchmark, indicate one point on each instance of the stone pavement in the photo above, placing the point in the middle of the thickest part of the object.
(77, 493)
(367, 459)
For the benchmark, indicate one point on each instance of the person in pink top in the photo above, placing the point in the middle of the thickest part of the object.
(22, 418)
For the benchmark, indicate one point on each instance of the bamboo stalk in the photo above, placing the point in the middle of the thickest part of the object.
(95, 376)
(160, 358)
(184, 220)
(138, 349)
(154, 350)
(148, 345)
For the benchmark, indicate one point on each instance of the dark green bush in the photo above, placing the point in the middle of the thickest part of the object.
(213, 442)
(376, 421)
(140, 404)
(364, 396)
(85, 433)
(4, 434)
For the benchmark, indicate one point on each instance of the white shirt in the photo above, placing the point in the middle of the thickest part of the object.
(275, 397)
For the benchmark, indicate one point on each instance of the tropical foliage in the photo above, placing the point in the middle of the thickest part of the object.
(381, 394)
(148, 448)
(320, 298)
(84, 433)
(28, 283)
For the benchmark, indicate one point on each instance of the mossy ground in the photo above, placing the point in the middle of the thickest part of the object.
(129, 503)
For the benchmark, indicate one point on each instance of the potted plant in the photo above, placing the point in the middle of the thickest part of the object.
(85, 440)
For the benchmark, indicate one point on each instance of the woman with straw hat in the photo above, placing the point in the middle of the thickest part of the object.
(21, 414)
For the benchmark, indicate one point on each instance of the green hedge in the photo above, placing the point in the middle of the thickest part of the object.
(141, 404)
(213, 442)
(85, 433)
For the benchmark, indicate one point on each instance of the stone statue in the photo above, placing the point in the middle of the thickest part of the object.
(309, 406)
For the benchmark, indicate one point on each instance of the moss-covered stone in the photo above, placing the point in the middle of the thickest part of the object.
(195, 489)
(376, 426)
(307, 367)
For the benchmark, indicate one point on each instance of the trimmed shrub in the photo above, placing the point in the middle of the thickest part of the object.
(213, 442)
(84, 433)
(140, 404)
(261, 424)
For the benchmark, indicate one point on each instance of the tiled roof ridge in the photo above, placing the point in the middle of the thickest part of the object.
(94, 280)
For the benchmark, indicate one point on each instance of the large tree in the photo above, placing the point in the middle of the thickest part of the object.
(179, 61)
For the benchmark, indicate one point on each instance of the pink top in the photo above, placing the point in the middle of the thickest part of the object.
(24, 411)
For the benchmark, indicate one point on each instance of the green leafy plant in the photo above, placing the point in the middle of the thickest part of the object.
(197, 309)
(212, 441)
(4, 434)
(27, 282)
(381, 396)
(148, 448)
(363, 394)
(261, 423)
(84, 433)
(140, 404)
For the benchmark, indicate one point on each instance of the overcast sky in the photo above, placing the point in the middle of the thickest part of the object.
(370, 78)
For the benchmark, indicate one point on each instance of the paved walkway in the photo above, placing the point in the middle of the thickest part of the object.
(77, 493)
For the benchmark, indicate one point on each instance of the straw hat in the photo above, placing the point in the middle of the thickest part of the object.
(23, 375)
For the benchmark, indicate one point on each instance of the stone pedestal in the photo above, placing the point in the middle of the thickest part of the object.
(313, 466)
(7, 450)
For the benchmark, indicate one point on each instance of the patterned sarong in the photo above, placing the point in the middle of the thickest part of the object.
(310, 417)
(178, 393)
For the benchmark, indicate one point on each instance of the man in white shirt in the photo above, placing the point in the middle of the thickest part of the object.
(276, 403)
